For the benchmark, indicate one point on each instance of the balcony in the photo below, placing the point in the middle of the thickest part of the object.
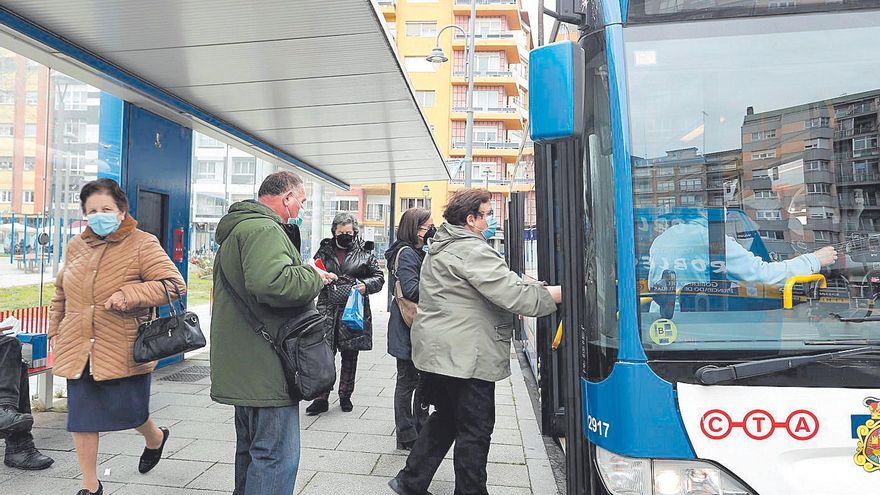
(858, 130)
(489, 145)
(387, 7)
(499, 35)
(510, 116)
(859, 177)
(506, 8)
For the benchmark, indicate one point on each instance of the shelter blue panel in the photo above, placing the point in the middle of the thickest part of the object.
(556, 91)
(111, 136)
(634, 412)
(158, 172)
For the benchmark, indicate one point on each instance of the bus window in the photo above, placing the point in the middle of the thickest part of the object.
(600, 245)
(753, 165)
(679, 10)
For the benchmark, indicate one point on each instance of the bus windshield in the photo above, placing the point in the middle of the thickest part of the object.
(756, 181)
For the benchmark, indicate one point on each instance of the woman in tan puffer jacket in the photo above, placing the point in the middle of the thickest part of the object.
(112, 275)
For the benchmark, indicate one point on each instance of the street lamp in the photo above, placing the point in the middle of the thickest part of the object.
(426, 191)
(438, 57)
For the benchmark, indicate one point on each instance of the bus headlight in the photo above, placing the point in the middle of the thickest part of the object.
(631, 476)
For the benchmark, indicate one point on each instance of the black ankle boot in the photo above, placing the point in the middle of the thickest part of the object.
(345, 404)
(26, 456)
(11, 421)
(318, 406)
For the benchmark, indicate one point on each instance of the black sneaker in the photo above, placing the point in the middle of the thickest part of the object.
(318, 406)
(398, 488)
(86, 492)
(151, 457)
(345, 404)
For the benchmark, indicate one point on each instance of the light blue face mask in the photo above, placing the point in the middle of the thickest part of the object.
(492, 223)
(103, 224)
(297, 220)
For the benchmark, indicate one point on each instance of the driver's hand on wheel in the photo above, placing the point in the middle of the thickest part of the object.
(827, 255)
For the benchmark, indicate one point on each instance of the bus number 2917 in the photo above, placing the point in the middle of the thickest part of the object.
(598, 426)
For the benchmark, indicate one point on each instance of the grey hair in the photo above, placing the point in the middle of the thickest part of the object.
(344, 218)
(280, 183)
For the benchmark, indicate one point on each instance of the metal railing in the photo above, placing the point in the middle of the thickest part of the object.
(387, 3)
(859, 177)
(487, 109)
(501, 35)
(484, 73)
(486, 2)
(489, 145)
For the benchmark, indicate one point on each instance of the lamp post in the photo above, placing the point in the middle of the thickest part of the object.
(437, 56)
(426, 192)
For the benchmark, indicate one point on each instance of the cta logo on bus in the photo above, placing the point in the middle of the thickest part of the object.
(759, 424)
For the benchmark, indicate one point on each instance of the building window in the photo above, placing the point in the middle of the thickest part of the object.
(76, 164)
(421, 29)
(30, 162)
(244, 170)
(772, 235)
(210, 206)
(76, 99)
(209, 142)
(484, 134)
(666, 186)
(5, 163)
(30, 130)
(418, 64)
(207, 169)
(817, 122)
(5, 196)
(27, 197)
(816, 165)
(425, 98)
(377, 211)
(346, 205)
(666, 201)
(817, 144)
(761, 135)
(407, 203)
(691, 200)
(486, 99)
(864, 143)
(75, 129)
(31, 98)
(819, 188)
(490, 25)
(765, 194)
(487, 62)
(691, 184)
(823, 235)
(763, 155)
(7, 98)
(767, 173)
(820, 212)
(768, 215)
(7, 130)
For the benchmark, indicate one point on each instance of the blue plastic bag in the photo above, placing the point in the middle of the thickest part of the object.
(353, 314)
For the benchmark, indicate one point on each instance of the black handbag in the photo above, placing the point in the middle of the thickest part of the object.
(302, 344)
(167, 336)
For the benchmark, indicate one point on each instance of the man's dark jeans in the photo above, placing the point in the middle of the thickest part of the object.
(267, 450)
(465, 414)
(408, 413)
(14, 387)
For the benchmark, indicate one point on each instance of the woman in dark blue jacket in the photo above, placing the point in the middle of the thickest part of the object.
(404, 261)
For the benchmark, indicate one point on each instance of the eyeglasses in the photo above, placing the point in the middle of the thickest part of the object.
(425, 228)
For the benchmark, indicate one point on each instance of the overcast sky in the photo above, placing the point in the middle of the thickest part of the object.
(532, 7)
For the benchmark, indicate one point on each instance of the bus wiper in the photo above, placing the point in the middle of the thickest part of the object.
(710, 375)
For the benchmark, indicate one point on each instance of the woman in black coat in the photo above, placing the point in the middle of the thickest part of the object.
(404, 261)
(352, 260)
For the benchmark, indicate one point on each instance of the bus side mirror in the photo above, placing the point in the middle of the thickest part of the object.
(556, 91)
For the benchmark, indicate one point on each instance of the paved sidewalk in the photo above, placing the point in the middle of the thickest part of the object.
(350, 453)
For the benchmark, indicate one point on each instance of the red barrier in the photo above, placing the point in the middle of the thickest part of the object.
(33, 320)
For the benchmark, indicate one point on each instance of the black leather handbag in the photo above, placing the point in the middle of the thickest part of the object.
(302, 344)
(167, 336)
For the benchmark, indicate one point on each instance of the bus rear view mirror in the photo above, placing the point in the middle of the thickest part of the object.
(556, 91)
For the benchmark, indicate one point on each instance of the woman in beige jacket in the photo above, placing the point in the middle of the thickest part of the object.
(112, 274)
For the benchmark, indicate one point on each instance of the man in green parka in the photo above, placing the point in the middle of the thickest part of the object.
(263, 266)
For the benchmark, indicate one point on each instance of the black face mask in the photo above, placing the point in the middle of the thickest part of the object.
(429, 234)
(344, 240)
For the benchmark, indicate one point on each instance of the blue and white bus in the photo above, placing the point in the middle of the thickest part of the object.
(710, 175)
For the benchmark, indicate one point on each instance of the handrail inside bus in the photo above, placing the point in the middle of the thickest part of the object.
(787, 296)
